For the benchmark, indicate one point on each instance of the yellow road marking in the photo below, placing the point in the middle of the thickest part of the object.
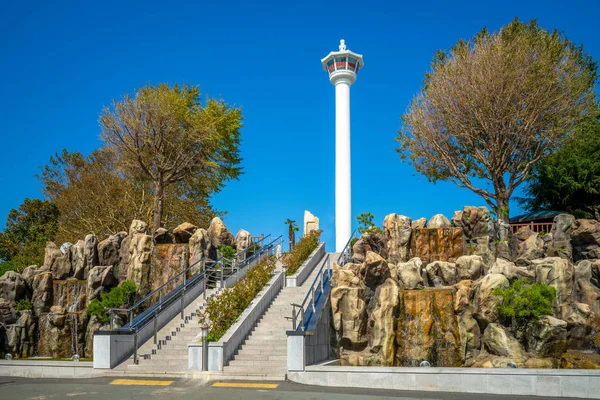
(140, 382)
(246, 385)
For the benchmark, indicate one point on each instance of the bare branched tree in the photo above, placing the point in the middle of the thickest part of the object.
(493, 107)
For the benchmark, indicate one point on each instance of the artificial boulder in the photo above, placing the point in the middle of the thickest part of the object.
(375, 270)
(184, 232)
(12, 286)
(8, 313)
(438, 221)
(27, 275)
(242, 240)
(140, 250)
(100, 279)
(497, 340)
(558, 273)
(198, 245)
(530, 249)
(409, 274)
(585, 239)
(163, 236)
(20, 338)
(78, 259)
(509, 270)
(562, 228)
(42, 292)
(420, 223)
(547, 337)
(51, 252)
(90, 254)
(218, 234)
(396, 233)
(469, 267)
(108, 249)
(383, 323)
(486, 304)
(442, 273)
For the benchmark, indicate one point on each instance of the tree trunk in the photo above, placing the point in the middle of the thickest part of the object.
(159, 201)
(502, 209)
(290, 234)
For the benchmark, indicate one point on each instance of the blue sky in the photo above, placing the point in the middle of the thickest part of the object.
(60, 62)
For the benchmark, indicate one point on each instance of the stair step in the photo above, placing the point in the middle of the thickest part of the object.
(258, 363)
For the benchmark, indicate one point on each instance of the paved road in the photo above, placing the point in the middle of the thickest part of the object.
(105, 388)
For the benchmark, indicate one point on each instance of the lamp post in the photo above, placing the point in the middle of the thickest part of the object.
(204, 336)
(342, 67)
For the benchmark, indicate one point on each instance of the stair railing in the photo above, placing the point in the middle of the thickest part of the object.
(211, 273)
(302, 314)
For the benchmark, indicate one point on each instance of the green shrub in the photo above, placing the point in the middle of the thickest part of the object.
(223, 310)
(226, 251)
(524, 301)
(23, 305)
(118, 297)
(6, 266)
(353, 242)
(301, 251)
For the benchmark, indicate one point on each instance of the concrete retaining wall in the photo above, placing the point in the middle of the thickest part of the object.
(48, 369)
(307, 267)
(219, 353)
(532, 382)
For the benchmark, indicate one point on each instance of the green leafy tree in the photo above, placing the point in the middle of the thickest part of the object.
(119, 297)
(172, 138)
(569, 179)
(492, 107)
(292, 229)
(95, 194)
(524, 301)
(365, 222)
(226, 251)
(27, 230)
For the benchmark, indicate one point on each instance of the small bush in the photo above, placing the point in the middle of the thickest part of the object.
(23, 305)
(524, 301)
(301, 251)
(226, 251)
(119, 297)
(223, 310)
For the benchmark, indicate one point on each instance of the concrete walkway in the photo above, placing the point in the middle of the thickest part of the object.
(263, 356)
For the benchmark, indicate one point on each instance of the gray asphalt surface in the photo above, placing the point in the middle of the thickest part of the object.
(100, 388)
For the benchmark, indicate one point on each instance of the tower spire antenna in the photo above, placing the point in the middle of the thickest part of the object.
(342, 67)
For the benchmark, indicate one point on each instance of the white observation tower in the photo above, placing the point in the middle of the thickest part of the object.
(342, 67)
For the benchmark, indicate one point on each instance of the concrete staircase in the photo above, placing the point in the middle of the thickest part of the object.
(170, 355)
(263, 355)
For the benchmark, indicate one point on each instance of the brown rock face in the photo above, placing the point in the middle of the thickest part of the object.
(199, 243)
(383, 322)
(530, 249)
(61, 334)
(443, 244)
(509, 270)
(427, 328)
(486, 303)
(163, 236)
(20, 337)
(184, 232)
(349, 318)
(396, 234)
(90, 254)
(61, 267)
(8, 313)
(573, 359)
(586, 239)
(108, 249)
(168, 261)
(420, 223)
(78, 259)
(70, 295)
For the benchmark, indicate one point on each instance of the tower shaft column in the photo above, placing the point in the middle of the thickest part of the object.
(343, 192)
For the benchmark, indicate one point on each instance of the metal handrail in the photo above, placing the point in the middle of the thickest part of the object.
(319, 285)
(194, 265)
(152, 313)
